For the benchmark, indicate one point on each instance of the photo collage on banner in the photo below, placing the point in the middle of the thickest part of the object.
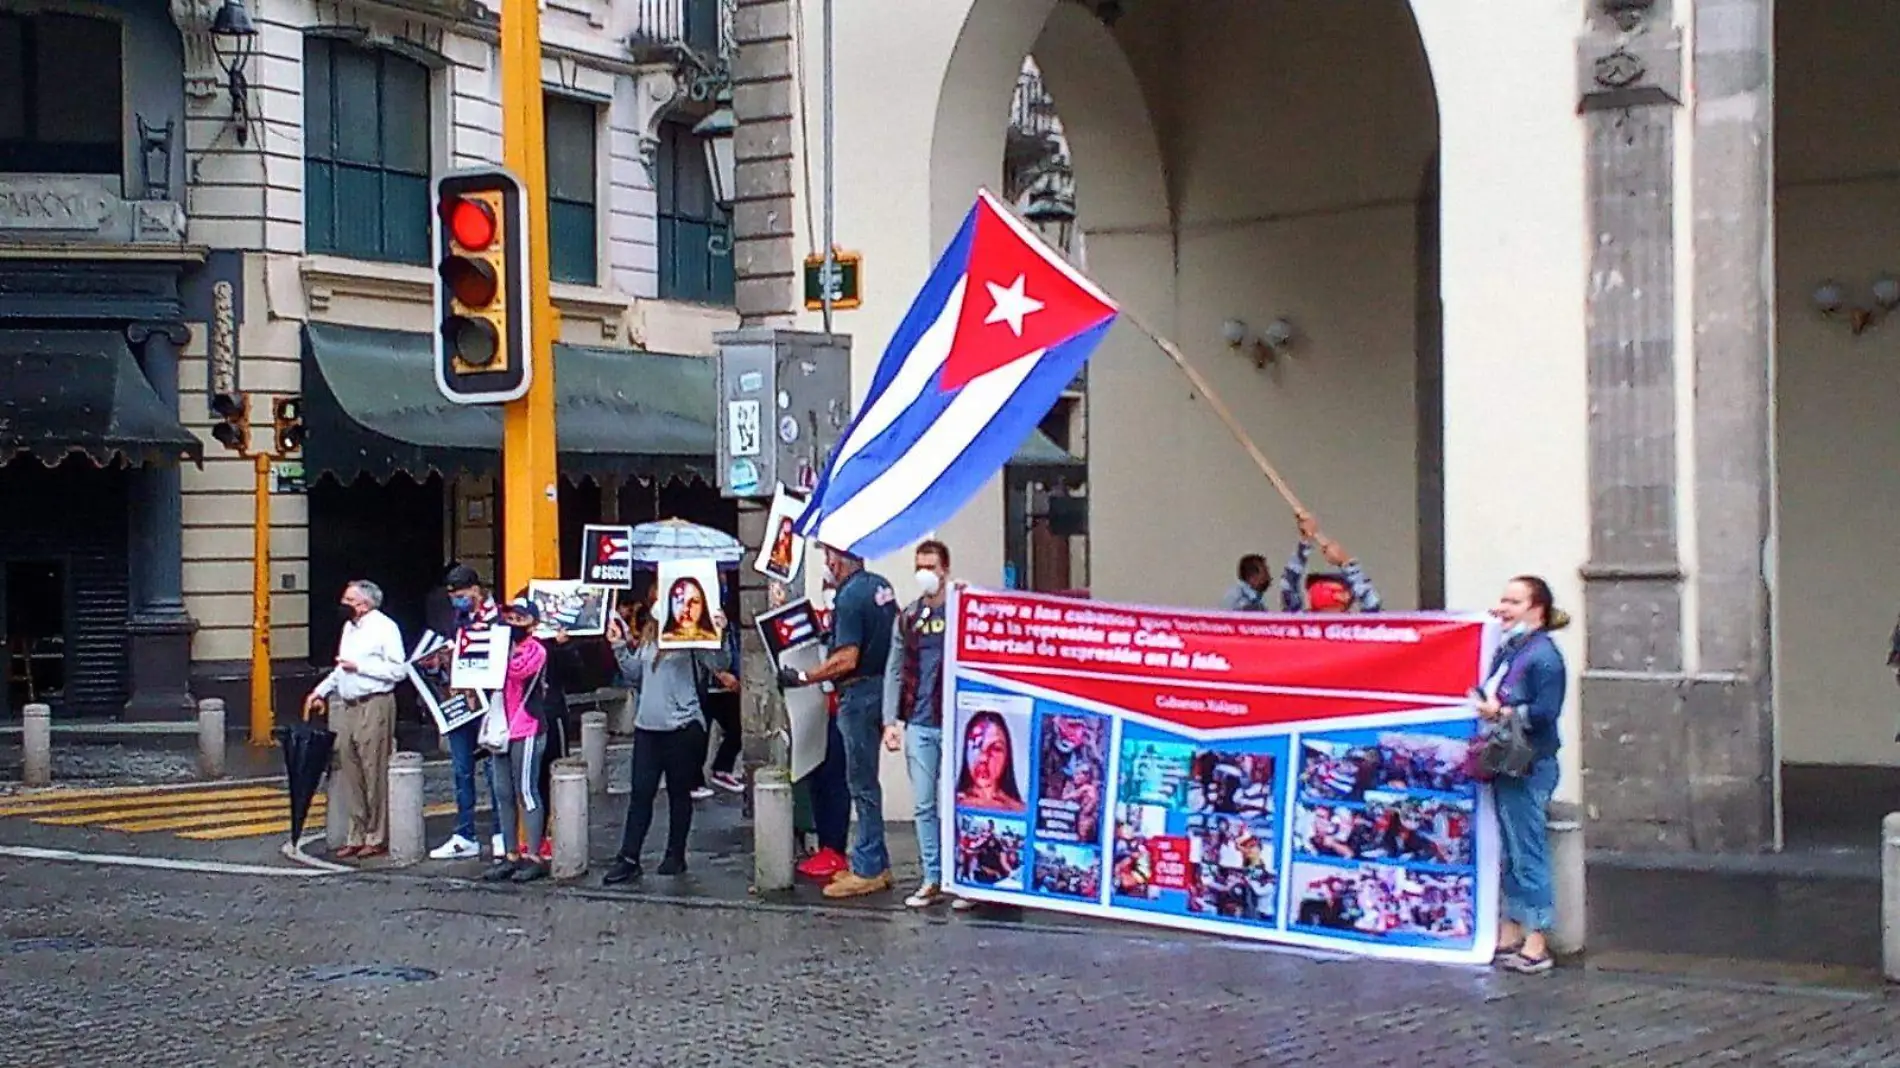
(1223, 784)
(1385, 836)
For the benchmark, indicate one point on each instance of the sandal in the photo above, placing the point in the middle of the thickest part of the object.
(1523, 965)
(1511, 950)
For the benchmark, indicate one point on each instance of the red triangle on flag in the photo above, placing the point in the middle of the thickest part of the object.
(1017, 299)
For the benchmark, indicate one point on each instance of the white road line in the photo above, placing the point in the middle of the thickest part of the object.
(118, 860)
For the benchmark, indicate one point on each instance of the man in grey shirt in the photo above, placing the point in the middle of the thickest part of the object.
(1249, 594)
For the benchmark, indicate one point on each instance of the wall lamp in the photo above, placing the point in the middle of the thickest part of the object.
(234, 38)
(1831, 300)
(1268, 344)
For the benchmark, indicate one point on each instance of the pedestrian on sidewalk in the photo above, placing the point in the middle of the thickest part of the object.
(863, 617)
(913, 708)
(565, 674)
(473, 609)
(1526, 681)
(827, 789)
(721, 703)
(669, 741)
(1324, 591)
(516, 775)
(359, 696)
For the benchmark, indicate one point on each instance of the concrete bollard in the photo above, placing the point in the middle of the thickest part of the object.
(406, 843)
(36, 736)
(1890, 897)
(621, 709)
(1564, 825)
(772, 830)
(594, 750)
(569, 806)
(211, 738)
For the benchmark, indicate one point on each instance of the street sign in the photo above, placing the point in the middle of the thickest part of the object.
(847, 277)
(607, 556)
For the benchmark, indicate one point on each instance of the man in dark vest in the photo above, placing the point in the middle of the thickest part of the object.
(913, 707)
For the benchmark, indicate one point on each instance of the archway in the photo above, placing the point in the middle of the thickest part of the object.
(1276, 177)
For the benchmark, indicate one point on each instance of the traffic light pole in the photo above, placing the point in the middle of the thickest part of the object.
(529, 487)
(263, 715)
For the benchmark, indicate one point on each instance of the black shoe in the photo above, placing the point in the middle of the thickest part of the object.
(623, 871)
(531, 871)
(500, 871)
(672, 866)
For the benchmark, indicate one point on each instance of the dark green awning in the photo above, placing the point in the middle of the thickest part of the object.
(372, 408)
(67, 391)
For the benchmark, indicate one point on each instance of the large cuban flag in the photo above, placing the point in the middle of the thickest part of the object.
(1002, 326)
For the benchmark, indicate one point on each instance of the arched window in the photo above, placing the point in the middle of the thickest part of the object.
(366, 152)
(46, 126)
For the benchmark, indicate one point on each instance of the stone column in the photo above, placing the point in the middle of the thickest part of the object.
(765, 99)
(160, 652)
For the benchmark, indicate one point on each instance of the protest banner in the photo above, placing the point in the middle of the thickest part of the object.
(607, 556)
(428, 667)
(1288, 778)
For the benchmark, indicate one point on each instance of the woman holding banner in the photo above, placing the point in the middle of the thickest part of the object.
(1527, 681)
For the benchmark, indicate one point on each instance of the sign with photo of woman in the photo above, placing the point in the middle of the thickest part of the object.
(782, 556)
(688, 608)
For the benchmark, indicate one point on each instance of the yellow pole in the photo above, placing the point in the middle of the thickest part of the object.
(530, 513)
(263, 717)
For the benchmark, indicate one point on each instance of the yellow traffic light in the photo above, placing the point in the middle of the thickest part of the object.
(482, 347)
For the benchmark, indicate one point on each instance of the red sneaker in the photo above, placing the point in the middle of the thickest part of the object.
(823, 864)
(547, 849)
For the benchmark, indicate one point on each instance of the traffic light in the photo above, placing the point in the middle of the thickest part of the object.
(233, 431)
(287, 417)
(483, 348)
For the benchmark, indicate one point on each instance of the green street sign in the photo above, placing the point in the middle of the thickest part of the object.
(846, 278)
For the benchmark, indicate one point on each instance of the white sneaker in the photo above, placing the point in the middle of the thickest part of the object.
(924, 897)
(495, 846)
(701, 793)
(456, 848)
(963, 904)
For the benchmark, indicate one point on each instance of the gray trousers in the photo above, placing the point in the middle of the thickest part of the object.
(516, 780)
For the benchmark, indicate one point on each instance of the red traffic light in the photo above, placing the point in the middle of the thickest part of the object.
(471, 223)
(471, 282)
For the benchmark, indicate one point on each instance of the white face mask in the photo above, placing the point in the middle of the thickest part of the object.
(929, 582)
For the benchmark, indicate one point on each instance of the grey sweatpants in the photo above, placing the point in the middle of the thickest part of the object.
(517, 785)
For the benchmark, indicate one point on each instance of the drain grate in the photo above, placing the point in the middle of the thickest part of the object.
(369, 974)
(61, 944)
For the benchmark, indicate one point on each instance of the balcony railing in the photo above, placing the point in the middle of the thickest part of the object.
(695, 31)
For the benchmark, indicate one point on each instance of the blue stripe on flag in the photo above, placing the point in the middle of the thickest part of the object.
(986, 454)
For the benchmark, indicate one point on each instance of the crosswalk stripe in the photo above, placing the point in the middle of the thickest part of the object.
(60, 793)
(282, 826)
(149, 811)
(74, 803)
(206, 819)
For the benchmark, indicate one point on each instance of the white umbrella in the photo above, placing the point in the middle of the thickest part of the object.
(676, 539)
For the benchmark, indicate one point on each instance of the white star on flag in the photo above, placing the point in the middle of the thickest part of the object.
(1012, 305)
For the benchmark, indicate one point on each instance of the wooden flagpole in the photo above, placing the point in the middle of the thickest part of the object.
(1220, 409)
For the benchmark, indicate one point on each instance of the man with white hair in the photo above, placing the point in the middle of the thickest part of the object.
(359, 695)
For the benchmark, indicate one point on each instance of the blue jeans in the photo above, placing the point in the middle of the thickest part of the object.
(861, 722)
(923, 748)
(462, 752)
(1523, 805)
(830, 794)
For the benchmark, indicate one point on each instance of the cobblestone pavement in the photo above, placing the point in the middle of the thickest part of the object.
(104, 968)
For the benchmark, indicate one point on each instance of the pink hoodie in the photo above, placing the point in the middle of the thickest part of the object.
(525, 664)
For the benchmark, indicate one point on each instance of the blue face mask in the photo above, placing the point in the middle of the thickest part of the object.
(463, 603)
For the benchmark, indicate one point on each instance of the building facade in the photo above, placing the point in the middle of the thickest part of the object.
(1571, 287)
(247, 216)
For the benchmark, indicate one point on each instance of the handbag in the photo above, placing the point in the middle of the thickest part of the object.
(493, 735)
(1502, 749)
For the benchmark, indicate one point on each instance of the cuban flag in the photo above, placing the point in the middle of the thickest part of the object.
(1001, 328)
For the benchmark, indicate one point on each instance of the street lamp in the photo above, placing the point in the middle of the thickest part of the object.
(233, 38)
(717, 131)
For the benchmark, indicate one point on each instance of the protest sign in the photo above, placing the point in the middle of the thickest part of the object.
(1290, 778)
(575, 607)
(607, 556)
(429, 665)
(782, 556)
(688, 608)
(791, 634)
(480, 659)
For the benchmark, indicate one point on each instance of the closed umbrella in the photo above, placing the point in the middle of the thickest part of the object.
(675, 539)
(306, 757)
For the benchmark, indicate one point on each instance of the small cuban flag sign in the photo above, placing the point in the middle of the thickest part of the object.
(1002, 326)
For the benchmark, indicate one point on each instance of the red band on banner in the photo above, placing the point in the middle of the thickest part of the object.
(1207, 709)
(1428, 657)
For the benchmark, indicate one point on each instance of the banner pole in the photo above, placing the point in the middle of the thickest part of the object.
(1220, 409)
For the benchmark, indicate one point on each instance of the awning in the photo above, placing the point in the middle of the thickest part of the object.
(67, 391)
(1040, 459)
(371, 407)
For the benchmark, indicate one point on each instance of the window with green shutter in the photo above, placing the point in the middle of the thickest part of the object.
(695, 233)
(366, 152)
(573, 224)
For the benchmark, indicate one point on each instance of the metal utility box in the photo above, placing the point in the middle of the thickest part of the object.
(784, 400)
